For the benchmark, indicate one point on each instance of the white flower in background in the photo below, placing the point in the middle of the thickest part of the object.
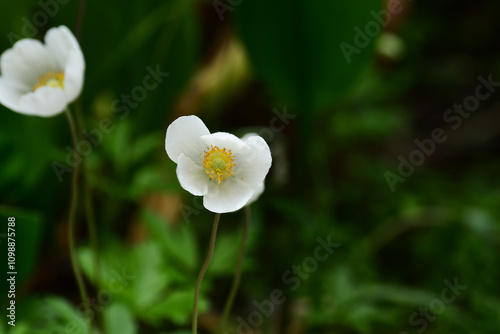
(42, 79)
(227, 171)
(259, 189)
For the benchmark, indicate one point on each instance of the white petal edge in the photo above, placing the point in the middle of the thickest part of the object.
(25, 63)
(192, 177)
(253, 165)
(9, 96)
(73, 76)
(44, 102)
(184, 136)
(61, 43)
(227, 197)
(65, 49)
(248, 135)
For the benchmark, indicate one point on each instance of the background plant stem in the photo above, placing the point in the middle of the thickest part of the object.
(71, 221)
(89, 207)
(237, 276)
(203, 270)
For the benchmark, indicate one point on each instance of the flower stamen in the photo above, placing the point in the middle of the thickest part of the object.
(51, 79)
(218, 163)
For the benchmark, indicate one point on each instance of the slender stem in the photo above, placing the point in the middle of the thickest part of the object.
(91, 226)
(237, 276)
(71, 230)
(203, 270)
(89, 207)
(79, 20)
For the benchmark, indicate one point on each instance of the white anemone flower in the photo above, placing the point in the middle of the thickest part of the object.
(257, 191)
(227, 171)
(42, 79)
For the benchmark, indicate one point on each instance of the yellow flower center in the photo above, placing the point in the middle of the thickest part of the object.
(51, 79)
(218, 163)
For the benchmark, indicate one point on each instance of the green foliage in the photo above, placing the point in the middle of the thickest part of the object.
(295, 47)
(179, 242)
(26, 234)
(119, 319)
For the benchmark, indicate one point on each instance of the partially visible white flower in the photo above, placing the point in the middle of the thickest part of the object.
(42, 79)
(258, 189)
(226, 170)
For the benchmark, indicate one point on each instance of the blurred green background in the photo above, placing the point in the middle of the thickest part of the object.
(343, 93)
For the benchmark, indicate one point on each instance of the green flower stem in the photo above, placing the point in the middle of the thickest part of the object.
(89, 207)
(237, 276)
(203, 270)
(80, 124)
(89, 212)
(71, 230)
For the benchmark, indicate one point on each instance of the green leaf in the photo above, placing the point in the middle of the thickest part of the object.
(225, 254)
(151, 179)
(66, 314)
(294, 46)
(178, 241)
(177, 307)
(20, 328)
(145, 146)
(119, 320)
(136, 276)
(151, 278)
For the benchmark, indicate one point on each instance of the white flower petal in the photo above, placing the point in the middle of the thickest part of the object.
(184, 136)
(73, 76)
(9, 96)
(257, 191)
(253, 165)
(248, 135)
(192, 177)
(25, 63)
(62, 44)
(44, 102)
(225, 140)
(228, 196)
(67, 52)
